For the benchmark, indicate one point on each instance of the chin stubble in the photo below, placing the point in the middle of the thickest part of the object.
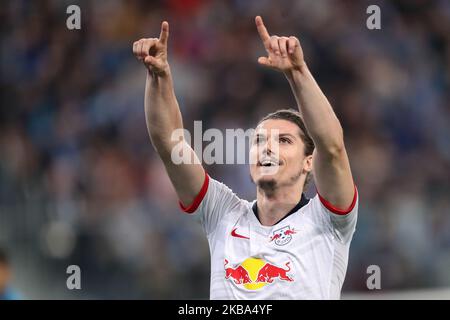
(269, 186)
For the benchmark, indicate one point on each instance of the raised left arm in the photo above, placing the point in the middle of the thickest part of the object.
(331, 166)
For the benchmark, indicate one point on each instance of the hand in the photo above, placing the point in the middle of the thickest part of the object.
(284, 53)
(153, 52)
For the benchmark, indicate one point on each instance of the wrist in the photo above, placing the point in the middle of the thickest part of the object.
(161, 75)
(296, 71)
(295, 75)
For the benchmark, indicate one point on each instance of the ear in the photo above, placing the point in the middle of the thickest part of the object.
(308, 163)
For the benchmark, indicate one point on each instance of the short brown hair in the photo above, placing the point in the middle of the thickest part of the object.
(295, 117)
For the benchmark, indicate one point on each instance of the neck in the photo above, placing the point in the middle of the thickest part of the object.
(274, 204)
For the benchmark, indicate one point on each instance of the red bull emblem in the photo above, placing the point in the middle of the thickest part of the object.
(282, 236)
(239, 275)
(255, 273)
(270, 272)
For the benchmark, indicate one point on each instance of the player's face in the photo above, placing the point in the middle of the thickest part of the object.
(277, 153)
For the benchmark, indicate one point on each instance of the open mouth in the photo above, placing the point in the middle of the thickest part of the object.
(269, 163)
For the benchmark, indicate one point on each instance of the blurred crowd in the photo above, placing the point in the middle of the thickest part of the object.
(81, 184)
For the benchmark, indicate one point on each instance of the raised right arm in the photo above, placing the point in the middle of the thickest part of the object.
(163, 117)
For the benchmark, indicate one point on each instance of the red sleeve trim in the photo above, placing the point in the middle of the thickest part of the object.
(338, 211)
(198, 199)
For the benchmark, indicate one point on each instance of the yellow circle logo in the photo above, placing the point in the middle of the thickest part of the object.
(253, 265)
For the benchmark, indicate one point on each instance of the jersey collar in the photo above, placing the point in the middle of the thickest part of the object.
(303, 201)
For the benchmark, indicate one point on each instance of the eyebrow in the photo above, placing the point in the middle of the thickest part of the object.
(286, 135)
(280, 135)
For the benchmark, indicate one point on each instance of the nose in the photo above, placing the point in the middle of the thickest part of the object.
(272, 147)
(267, 149)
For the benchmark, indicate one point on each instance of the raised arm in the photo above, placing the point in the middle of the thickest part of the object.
(163, 116)
(331, 167)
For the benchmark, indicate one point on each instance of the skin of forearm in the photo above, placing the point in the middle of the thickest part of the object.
(162, 112)
(319, 117)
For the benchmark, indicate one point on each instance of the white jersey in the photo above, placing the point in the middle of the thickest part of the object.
(304, 256)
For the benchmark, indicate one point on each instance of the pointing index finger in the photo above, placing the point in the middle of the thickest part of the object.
(262, 30)
(164, 32)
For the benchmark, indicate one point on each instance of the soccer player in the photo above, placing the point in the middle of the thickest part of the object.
(281, 245)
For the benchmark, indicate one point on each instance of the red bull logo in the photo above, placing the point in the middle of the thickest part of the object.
(282, 236)
(238, 274)
(270, 272)
(254, 273)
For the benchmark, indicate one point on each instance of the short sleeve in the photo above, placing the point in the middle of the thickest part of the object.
(343, 222)
(214, 201)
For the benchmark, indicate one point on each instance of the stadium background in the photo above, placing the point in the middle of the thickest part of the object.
(81, 184)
